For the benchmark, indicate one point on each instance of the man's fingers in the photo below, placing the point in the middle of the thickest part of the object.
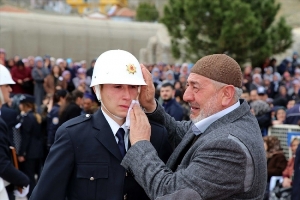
(146, 74)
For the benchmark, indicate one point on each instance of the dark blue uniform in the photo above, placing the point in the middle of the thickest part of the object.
(296, 180)
(7, 171)
(84, 162)
(174, 109)
(52, 124)
(9, 116)
(31, 147)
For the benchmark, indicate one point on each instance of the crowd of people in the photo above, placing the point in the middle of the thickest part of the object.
(48, 92)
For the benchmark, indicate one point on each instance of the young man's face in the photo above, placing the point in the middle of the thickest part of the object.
(6, 90)
(166, 93)
(117, 98)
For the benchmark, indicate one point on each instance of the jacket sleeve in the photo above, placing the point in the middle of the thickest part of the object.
(176, 129)
(26, 134)
(54, 179)
(7, 171)
(203, 174)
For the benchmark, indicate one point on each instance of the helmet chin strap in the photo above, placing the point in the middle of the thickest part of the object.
(98, 94)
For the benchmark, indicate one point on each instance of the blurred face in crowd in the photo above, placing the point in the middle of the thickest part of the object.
(253, 95)
(56, 70)
(6, 90)
(87, 104)
(177, 85)
(287, 76)
(16, 58)
(247, 70)
(182, 79)
(170, 77)
(246, 96)
(67, 76)
(31, 61)
(167, 93)
(280, 115)
(2, 55)
(282, 90)
(203, 97)
(290, 104)
(267, 82)
(39, 64)
(294, 145)
(117, 98)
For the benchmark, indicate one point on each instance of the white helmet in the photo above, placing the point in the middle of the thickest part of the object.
(5, 77)
(117, 67)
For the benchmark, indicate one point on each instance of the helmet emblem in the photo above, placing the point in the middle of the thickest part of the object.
(131, 68)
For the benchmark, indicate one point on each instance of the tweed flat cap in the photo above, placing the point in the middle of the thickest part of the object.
(219, 67)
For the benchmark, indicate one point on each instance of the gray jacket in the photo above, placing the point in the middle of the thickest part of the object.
(226, 162)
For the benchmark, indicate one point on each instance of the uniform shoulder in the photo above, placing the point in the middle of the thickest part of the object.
(155, 124)
(77, 120)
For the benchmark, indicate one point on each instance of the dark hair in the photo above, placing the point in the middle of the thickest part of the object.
(20, 64)
(168, 85)
(58, 94)
(70, 97)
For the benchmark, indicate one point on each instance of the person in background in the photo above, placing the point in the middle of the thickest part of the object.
(8, 172)
(31, 150)
(262, 111)
(89, 104)
(89, 72)
(279, 116)
(72, 107)
(167, 94)
(293, 115)
(22, 76)
(296, 180)
(81, 78)
(54, 81)
(39, 73)
(276, 161)
(245, 95)
(253, 95)
(177, 67)
(288, 173)
(67, 77)
(59, 100)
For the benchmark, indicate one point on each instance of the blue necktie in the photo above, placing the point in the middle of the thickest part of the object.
(121, 144)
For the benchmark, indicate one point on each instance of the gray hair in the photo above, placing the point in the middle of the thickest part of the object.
(237, 93)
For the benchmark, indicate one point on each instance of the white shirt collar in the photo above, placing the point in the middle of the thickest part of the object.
(113, 125)
(205, 123)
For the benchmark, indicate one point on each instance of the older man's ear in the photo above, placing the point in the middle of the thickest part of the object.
(228, 93)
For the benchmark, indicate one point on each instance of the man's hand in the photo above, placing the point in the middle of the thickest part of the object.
(139, 125)
(287, 182)
(147, 94)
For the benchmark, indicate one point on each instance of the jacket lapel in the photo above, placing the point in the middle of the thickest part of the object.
(105, 135)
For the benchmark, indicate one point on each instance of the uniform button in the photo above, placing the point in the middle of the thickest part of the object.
(126, 174)
(125, 196)
(87, 115)
(92, 178)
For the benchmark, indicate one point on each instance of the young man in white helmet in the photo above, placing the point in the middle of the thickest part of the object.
(84, 161)
(7, 170)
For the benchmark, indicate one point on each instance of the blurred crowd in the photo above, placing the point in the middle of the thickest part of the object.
(60, 90)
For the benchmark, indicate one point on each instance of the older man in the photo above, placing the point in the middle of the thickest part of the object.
(220, 153)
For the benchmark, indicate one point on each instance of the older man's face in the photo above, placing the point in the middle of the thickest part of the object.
(202, 97)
